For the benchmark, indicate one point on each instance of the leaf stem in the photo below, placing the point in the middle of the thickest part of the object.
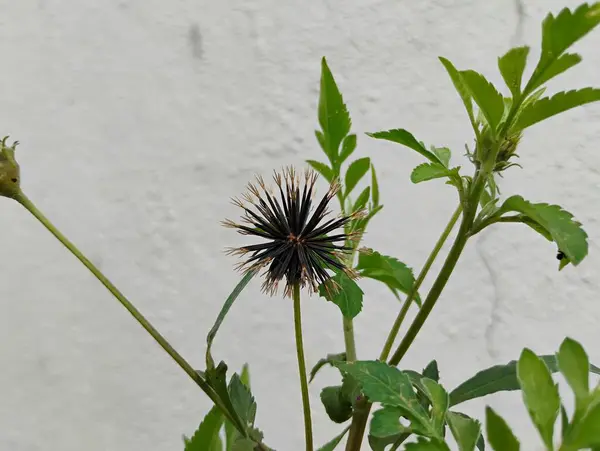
(349, 339)
(385, 352)
(302, 369)
(183, 364)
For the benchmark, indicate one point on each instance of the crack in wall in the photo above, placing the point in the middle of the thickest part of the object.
(521, 16)
(495, 319)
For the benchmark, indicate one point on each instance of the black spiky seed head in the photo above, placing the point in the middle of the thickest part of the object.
(299, 244)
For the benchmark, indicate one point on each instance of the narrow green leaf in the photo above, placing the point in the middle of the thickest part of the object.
(337, 407)
(586, 433)
(489, 100)
(333, 115)
(565, 231)
(431, 371)
(322, 169)
(439, 402)
(348, 147)
(540, 394)
(386, 422)
(355, 172)
(512, 66)
(460, 86)
(558, 34)
(499, 435)
(391, 387)
(374, 187)
(564, 422)
(348, 297)
(341, 357)
(497, 378)
(362, 199)
(575, 367)
(207, 434)
(395, 274)
(332, 444)
(322, 142)
(465, 430)
(428, 171)
(210, 363)
(403, 137)
(558, 66)
(551, 106)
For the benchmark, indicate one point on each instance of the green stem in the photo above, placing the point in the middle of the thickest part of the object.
(302, 369)
(183, 364)
(415, 289)
(349, 339)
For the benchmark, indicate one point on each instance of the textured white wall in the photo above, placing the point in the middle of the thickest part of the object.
(138, 121)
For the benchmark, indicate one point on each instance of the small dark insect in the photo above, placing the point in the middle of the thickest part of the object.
(560, 255)
(299, 246)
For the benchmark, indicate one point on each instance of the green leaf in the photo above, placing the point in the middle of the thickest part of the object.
(551, 106)
(348, 147)
(322, 169)
(489, 100)
(460, 86)
(427, 445)
(465, 430)
(497, 378)
(403, 137)
(586, 432)
(333, 115)
(391, 387)
(348, 297)
(560, 65)
(429, 171)
(356, 171)
(231, 433)
(207, 435)
(512, 66)
(499, 435)
(386, 422)
(443, 154)
(540, 394)
(244, 444)
(375, 187)
(210, 363)
(242, 400)
(362, 199)
(338, 408)
(431, 371)
(329, 360)
(564, 422)
(332, 444)
(439, 401)
(575, 367)
(381, 443)
(322, 142)
(395, 274)
(558, 34)
(567, 233)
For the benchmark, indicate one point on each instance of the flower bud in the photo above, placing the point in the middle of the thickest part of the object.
(9, 170)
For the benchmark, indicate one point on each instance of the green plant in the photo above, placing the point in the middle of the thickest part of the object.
(306, 250)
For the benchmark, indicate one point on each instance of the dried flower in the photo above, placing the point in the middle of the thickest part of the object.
(298, 245)
(9, 170)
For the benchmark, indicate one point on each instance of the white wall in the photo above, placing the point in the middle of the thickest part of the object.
(138, 121)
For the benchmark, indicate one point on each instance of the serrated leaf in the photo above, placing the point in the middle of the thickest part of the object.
(231, 433)
(551, 106)
(322, 169)
(391, 387)
(374, 187)
(348, 146)
(439, 402)
(428, 171)
(386, 422)
(242, 400)
(558, 66)
(575, 367)
(443, 154)
(381, 443)
(559, 33)
(540, 394)
(333, 115)
(567, 233)
(498, 378)
(207, 434)
(499, 434)
(512, 66)
(465, 430)
(427, 445)
(461, 87)
(224, 310)
(403, 137)
(362, 199)
(337, 407)
(395, 274)
(355, 172)
(332, 444)
(489, 100)
(348, 297)
(341, 357)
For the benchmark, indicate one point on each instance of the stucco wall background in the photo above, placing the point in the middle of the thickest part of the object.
(138, 121)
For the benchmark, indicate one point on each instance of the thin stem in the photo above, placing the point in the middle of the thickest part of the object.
(415, 289)
(302, 369)
(183, 364)
(349, 339)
